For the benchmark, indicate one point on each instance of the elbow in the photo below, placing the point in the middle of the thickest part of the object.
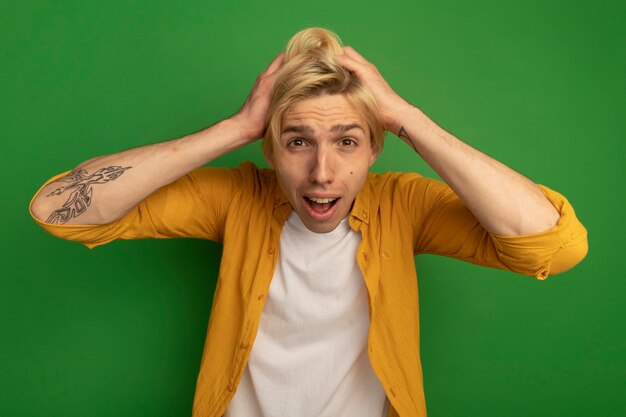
(568, 257)
(39, 210)
(543, 258)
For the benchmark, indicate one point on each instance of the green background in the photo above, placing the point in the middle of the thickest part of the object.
(119, 331)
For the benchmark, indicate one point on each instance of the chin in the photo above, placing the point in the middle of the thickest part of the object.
(317, 226)
(321, 228)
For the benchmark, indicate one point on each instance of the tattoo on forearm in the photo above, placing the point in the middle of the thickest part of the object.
(404, 135)
(79, 183)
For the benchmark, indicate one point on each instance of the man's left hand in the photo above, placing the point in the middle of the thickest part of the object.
(391, 105)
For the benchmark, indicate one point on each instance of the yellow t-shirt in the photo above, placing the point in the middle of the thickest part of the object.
(397, 214)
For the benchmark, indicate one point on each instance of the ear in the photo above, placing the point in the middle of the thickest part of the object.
(269, 158)
(375, 153)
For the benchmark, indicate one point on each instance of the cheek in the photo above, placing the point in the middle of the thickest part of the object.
(289, 177)
(354, 179)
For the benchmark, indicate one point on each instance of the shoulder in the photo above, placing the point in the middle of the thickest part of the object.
(401, 181)
(245, 172)
(409, 191)
(244, 178)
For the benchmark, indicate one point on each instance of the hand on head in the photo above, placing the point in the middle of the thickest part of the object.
(389, 102)
(253, 113)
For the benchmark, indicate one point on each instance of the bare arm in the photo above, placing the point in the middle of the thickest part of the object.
(104, 188)
(504, 201)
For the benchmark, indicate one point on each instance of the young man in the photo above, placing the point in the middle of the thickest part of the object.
(316, 309)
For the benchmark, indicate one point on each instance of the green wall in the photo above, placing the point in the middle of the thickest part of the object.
(119, 331)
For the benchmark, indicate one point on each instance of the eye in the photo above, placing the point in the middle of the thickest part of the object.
(296, 143)
(348, 142)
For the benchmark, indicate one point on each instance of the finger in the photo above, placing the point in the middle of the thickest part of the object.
(352, 53)
(276, 63)
(349, 63)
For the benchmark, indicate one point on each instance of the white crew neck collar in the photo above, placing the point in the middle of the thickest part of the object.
(295, 222)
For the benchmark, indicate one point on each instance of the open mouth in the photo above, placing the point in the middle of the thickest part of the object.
(321, 205)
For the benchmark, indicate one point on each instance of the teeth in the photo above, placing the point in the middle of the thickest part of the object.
(321, 200)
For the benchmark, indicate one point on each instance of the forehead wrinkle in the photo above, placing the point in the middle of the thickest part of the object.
(321, 113)
(345, 128)
(304, 128)
(298, 129)
(316, 110)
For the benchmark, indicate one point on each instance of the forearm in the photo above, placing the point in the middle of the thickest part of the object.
(503, 201)
(105, 188)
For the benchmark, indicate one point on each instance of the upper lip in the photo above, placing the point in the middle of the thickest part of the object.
(315, 195)
(320, 195)
(322, 200)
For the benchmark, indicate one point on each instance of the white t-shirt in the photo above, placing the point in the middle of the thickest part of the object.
(310, 353)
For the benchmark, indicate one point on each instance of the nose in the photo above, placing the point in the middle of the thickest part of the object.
(322, 167)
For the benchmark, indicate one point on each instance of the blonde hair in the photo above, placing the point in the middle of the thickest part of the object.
(310, 70)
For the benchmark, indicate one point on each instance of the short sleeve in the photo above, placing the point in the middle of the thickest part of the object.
(194, 206)
(443, 225)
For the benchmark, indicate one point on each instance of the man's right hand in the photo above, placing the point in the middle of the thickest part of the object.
(253, 113)
(105, 188)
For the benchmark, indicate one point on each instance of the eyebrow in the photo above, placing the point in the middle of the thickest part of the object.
(308, 129)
